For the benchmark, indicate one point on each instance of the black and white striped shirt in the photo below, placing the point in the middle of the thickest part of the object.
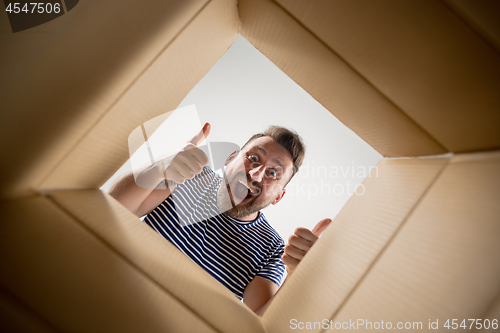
(231, 250)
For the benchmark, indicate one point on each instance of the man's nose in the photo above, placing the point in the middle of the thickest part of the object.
(257, 173)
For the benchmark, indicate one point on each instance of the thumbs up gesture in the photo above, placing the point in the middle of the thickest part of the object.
(188, 161)
(300, 242)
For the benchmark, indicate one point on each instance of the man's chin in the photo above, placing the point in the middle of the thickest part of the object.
(233, 206)
(239, 212)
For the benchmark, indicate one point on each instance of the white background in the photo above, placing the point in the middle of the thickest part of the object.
(243, 94)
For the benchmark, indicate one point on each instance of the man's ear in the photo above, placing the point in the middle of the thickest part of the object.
(231, 157)
(278, 198)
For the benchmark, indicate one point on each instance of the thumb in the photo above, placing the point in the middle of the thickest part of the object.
(321, 227)
(202, 135)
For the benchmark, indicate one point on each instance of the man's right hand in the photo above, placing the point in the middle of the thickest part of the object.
(188, 161)
(142, 192)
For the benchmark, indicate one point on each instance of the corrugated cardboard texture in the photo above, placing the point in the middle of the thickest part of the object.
(493, 313)
(409, 77)
(60, 85)
(422, 57)
(76, 282)
(444, 263)
(343, 255)
(145, 249)
(158, 90)
(482, 16)
(62, 79)
(17, 317)
(332, 81)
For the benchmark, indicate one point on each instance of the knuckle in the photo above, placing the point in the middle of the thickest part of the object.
(199, 169)
(202, 156)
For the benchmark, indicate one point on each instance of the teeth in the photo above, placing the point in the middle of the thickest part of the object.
(246, 185)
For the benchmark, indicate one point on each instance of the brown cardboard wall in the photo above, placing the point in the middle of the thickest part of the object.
(342, 257)
(73, 280)
(108, 271)
(422, 57)
(81, 65)
(444, 263)
(17, 317)
(410, 78)
(159, 89)
(332, 81)
(481, 16)
(151, 254)
(491, 315)
(60, 85)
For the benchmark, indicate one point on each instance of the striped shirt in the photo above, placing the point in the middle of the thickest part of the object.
(231, 250)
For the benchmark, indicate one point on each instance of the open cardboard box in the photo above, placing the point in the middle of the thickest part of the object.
(411, 78)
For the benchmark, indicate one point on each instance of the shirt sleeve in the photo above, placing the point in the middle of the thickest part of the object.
(274, 268)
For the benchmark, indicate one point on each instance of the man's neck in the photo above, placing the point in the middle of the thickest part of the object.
(250, 217)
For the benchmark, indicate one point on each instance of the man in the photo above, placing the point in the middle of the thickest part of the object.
(216, 221)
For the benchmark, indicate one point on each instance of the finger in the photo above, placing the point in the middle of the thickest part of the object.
(182, 168)
(294, 252)
(289, 261)
(300, 243)
(198, 154)
(202, 135)
(191, 162)
(321, 227)
(306, 234)
(175, 176)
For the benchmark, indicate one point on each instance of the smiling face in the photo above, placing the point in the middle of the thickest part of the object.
(255, 178)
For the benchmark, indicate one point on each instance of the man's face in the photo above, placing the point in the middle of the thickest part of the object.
(255, 178)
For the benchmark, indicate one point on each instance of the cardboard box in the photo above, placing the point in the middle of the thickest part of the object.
(418, 81)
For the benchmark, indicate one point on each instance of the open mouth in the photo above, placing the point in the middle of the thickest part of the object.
(242, 191)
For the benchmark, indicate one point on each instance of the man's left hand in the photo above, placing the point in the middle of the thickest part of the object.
(300, 242)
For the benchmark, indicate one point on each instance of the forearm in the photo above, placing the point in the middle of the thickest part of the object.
(263, 308)
(260, 311)
(131, 192)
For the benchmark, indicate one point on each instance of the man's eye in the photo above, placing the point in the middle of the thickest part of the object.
(273, 173)
(254, 158)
